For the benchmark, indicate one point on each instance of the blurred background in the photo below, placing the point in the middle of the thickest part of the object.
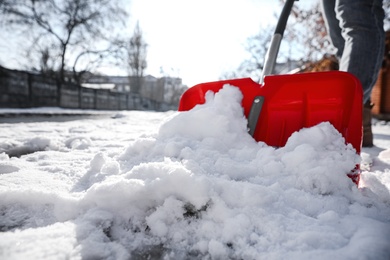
(149, 50)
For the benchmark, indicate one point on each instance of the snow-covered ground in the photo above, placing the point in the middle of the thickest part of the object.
(191, 185)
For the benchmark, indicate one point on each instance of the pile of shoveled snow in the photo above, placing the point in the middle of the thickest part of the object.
(200, 187)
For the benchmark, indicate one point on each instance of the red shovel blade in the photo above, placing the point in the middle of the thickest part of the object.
(295, 101)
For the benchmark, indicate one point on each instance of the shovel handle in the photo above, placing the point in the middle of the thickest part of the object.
(272, 53)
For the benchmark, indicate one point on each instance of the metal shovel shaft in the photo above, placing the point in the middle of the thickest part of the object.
(272, 53)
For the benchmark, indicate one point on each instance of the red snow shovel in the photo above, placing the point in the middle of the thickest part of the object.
(282, 104)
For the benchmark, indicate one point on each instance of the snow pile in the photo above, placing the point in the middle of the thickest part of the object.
(198, 188)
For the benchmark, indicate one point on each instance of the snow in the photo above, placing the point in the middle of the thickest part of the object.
(188, 185)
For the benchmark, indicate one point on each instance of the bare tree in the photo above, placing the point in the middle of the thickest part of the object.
(60, 31)
(307, 33)
(256, 46)
(137, 50)
(304, 40)
(45, 61)
(174, 93)
(112, 55)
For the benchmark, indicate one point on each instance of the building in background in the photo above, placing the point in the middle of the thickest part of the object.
(165, 89)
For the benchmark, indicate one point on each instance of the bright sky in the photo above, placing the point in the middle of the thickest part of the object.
(199, 40)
